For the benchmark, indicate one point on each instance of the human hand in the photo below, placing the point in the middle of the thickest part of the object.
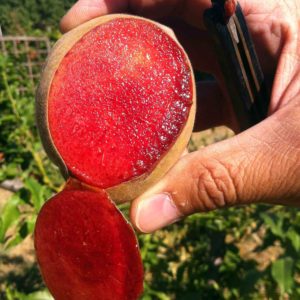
(262, 164)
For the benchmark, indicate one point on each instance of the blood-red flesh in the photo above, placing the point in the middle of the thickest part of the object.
(86, 250)
(118, 101)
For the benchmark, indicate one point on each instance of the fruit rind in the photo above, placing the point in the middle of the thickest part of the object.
(131, 189)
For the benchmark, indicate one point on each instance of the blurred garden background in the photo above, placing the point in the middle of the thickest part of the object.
(248, 252)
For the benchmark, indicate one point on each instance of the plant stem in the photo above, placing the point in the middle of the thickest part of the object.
(10, 97)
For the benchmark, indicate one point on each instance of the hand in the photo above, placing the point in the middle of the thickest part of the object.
(261, 164)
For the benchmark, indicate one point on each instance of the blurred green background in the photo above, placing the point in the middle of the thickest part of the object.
(248, 252)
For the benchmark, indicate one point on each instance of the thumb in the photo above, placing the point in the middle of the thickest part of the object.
(258, 165)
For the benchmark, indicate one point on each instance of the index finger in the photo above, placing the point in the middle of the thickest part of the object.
(84, 10)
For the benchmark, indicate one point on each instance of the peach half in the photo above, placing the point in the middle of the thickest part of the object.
(115, 110)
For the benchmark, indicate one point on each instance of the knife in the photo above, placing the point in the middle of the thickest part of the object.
(238, 60)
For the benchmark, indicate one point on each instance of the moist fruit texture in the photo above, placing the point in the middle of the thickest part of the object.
(86, 250)
(118, 101)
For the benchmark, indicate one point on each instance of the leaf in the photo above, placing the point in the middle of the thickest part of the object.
(230, 262)
(294, 237)
(31, 224)
(274, 225)
(37, 192)
(39, 295)
(16, 240)
(282, 273)
(158, 295)
(9, 215)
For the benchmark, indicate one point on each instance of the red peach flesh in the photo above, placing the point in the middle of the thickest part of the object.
(86, 250)
(118, 101)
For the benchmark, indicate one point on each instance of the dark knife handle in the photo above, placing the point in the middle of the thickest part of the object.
(239, 64)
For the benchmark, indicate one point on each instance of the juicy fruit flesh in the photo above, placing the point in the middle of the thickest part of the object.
(86, 250)
(118, 101)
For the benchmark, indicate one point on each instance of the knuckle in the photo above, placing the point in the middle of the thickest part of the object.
(214, 185)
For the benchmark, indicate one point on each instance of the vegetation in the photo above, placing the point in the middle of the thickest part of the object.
(248, 252)
(32, 16)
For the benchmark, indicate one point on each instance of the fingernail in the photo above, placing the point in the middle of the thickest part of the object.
(156, 212)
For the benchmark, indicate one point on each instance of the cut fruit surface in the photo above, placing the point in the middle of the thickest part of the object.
(86, 250)
(118, 101)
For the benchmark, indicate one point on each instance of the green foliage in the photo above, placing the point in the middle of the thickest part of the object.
(40, 295)
(282, 272)
(22, 158)
(9, 216)
(201, 257)
(23, 155)
(32, 16)
(22, 151)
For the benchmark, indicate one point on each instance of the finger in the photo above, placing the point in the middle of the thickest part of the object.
(185, 152)
(190, 10)
(85, 10)
(261, 164)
